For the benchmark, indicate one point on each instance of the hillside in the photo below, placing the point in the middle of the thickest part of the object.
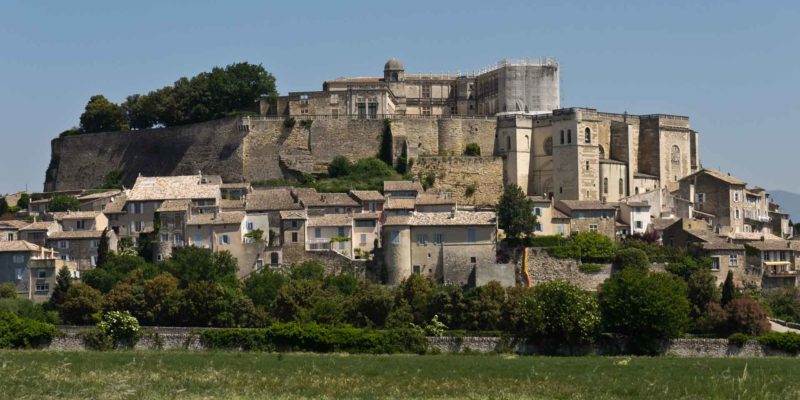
(789, 202)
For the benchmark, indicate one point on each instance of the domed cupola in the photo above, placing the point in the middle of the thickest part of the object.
(393, 70)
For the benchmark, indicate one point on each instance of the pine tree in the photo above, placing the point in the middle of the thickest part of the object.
(63, 283)
(102, 249)
(728, 290)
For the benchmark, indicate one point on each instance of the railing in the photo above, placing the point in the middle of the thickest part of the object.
(779, 272)
(246, 120)
(319, 244)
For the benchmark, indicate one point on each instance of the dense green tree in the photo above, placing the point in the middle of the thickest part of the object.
(205, 303)
(102, 115)
(416, 291)
(103, 250)
(262, 286)
(25, 308)
(728, 290)
(127, 297)
(514, 313)
(8, 290)
(561, 313)
(81, 304)
(3, 205)
(369, 306)
(63, 284)
(632, 258)
(647, 307)
(784, 303)
(593, 246)
(688, 265)
(339, 166)
(193, 264)
(701, 291)
(159, 295)
(111, 271)
(515, 212)
(485, 307)
(24, 201)
(63, 202)
(746, 316)
(309, 270)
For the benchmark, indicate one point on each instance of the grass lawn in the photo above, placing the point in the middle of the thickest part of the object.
(230, 375)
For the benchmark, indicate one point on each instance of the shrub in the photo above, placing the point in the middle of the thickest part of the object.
(784, 303)
(745, 315)
(8, 291)
(544, 241)
(647, 307)
(16, 332)
(590, 268)
(564, 252)
(712, 320)
(428, 181)
(738, 339)
(96, 339)
(121, 327)
(289, 122)
(63, 202)
(594, 246)
(562, 313)
(472, 149)
(632, 258)
(788, 342)
(339, 166)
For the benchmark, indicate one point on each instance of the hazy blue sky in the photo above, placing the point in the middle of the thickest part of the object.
(732, 66)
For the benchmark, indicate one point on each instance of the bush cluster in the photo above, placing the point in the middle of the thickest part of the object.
(16, 332)
(788, 342)
(317, 338)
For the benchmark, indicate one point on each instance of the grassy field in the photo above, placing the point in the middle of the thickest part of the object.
(201, 375)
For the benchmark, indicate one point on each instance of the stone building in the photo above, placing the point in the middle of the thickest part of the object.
(447, 246)
(590, 216)
(508, 86)
(583, 154)
(777, 260)
(31, 268)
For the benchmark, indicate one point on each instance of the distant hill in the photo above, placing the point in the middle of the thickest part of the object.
(789, 202)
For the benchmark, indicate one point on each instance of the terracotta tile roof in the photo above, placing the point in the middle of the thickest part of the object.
(367, 195)
(18, 246)
(459, 218)
(235, 185)
(39, 226)
(557, 214)
(660, 224)
(331, 220)
(223, 218)
(99, 195)
(297, 192)
(399, 203)
(174, 205)
(328, 199)
(293, 214)
(366, 215)
(637, 204)
(753, 236)
(717, 175)
(117, 206)
(567, 206)
(721, 245)
(430, 199)
(75, 235)
(271, 200)
(230, 204)
(775, 245)
(14, 224)
(59, 216)
(402, 186)
(149, 188)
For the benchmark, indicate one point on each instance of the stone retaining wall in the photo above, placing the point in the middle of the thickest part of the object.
(173, 338)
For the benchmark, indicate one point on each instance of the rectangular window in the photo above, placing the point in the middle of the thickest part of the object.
(426, 91)
(93, 261)
(701, 197)
(592, 228)
(471, 235)
(294, 224)
(294, 237)
(80, 224)
(340, 231)
(734, 260)
(639, 224)
(63, 244)
(438, 238)
(249, 226)
(417, 269)
(341, 245)
(42, 287)
(317, 233)
(361, 109)
(10, 237)
(538, 227)
(365, 223)
(735, 197)
(422, 239)
(335, 99)
(426, 110)
(19, 258)
(395, 237)
(363, 241)
(224, 239)
(259, 263)
(537, 212)
(736, 213)
(41, 274)
(373, 110)
(715, 264)
(473, 260)
(164, 237)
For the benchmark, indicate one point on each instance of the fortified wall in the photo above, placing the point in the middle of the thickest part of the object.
(252, 149)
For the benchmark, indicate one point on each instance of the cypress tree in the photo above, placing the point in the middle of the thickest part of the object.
(727, 290)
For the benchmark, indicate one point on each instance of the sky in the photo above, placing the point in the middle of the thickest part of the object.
(732, 66)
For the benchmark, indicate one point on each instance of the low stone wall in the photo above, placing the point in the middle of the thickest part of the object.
(169, 338)
(544, 268)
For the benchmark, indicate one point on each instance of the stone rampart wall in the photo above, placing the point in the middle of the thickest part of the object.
(544, 268)
(457, 174)
(176, 338)
(249, 149)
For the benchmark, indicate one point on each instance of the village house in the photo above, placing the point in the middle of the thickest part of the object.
(9, 230)
(447, 246)
(31, 268)
(777, 260)
(590, 216)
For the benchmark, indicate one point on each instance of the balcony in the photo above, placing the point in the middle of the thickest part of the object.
(318, 244)
(778, 269)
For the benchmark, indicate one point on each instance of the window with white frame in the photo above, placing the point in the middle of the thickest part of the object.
(700, 197)
(18, 258)
(736, 197)
(41, 274)
(733, 260)
(639, 225)
(63, 244)
(593, 228)
(422, 239)
(363, 241)
(164, 237)
(224, 239)
(715, 263)
(42, 287)
(736, 213)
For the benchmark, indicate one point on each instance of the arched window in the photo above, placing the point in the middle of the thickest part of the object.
(602, 152)
(675, 160)
(508, 143)
(562, 136)
(548, 146)
(636, 190)
(587, 136)
(621, 187)
(605, 185)
(527, 141)
(569, 135)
